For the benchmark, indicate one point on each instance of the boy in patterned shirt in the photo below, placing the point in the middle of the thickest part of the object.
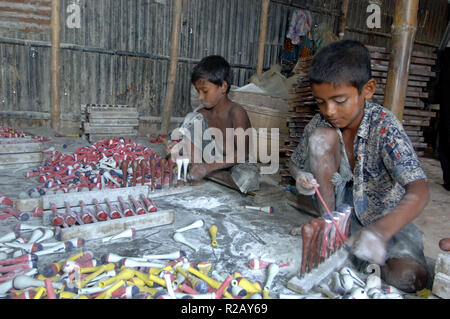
(358, 153)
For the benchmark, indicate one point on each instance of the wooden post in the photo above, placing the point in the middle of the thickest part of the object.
(54, 66)
(343, 19)
(402, 43)
(176, 29)
(262, 36)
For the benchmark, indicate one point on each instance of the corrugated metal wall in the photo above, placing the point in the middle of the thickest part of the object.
(120, 55)
(24, 69)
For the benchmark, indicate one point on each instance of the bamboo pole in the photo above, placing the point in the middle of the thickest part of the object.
(343, 18)
(176, 28)
(402, 43)
(262, 36)
(54, 66)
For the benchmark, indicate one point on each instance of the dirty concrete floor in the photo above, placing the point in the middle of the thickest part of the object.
(241, 233)
(434, 222)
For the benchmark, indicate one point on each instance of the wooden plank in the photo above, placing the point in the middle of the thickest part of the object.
(19, 166)
(100, 137)
(20, 158)
(307, 110)
(24, 139)
(416, 138)
(300, 99)
(113, 115)
(421, 54)
(411, 128)
(434, 107)
(89, 129)
(412, 66)
(414, 59)
(416, 118)
(414, 133)
(109, 107)
(417, 94)
(112, 227)
(419, 113)
(410, 83)
(112, 108)
(114, 122)
(411, 89)
(306, 89)
(384, 68)
(419, 145)
(416, 123)
(84, 107)
(23, 147)
(410, 76)
(416, 103)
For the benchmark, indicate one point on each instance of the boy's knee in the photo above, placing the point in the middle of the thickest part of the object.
(323, 140)
(405, 274)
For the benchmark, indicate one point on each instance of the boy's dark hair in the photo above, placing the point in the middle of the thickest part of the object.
(342, 62)
(213, 68)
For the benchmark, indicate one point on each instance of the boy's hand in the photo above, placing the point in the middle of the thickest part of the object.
(368, 244)
(196, 172)
(305, 182)
(168, 146)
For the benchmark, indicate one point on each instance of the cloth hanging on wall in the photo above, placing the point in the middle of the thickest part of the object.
(289, 52)
(299, 26)
(298, 42)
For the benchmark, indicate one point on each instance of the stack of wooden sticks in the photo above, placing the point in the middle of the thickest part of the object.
(416, 115)
(301, 109)
(301, 106)
(102, 121)
(321, 237)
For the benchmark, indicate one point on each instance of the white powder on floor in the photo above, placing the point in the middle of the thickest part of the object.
(198, 202)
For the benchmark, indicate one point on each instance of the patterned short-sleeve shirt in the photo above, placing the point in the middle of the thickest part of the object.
(385, 161)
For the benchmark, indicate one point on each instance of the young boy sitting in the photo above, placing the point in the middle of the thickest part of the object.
(358, 153)
(212, 78)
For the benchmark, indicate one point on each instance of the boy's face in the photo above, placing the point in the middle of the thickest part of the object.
(343, 105)
(209, 93)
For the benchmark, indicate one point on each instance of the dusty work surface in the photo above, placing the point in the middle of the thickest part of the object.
(242, 233)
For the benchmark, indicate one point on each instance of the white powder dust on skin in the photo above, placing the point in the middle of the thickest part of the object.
(318, 144)
(193, 202)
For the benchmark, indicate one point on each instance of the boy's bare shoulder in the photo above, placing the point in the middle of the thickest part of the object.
(239, 116)
(237, 109)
